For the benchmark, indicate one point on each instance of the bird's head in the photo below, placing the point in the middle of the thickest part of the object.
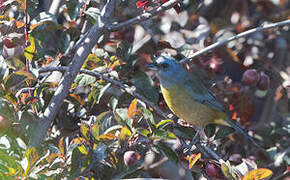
(168, 70)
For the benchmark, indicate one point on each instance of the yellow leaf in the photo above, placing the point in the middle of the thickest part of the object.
(78, 99)
(132, 108)
(106, 137)
(192, 159)
(78, 140)
(9, 96)
(19, 24)
(51, 157)
(4, 18)
(258, 174)
(125, 132)
(83, 149)
(11, 171)
(28, 75)
(30, 50)
(61, 146)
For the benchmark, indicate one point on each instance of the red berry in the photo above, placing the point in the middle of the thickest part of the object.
(264, 81)
(8, 43)
(4, 124)
(213, 170)
(130, 158)
(250, 77)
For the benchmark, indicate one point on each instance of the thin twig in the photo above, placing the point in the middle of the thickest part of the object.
(243, 34)
(125, 87)
(143, 17)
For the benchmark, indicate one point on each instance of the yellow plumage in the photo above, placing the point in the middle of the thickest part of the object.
(185, 107)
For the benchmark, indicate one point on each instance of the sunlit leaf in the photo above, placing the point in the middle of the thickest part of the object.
(164, 123)
(11, 97)
(124, 118)
(258, 174)
(61, 146)
(148, 115)
(132, 108)
(106, 137)
(142, 131)
(84, 130)
(30, 50)
(163, 134)
(78, 99)
(82, 148)
(192, 159)
(32, 156)
(228, 171)
(125, 133)
(17, 77)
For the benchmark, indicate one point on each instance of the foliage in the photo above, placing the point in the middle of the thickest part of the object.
(100, 121)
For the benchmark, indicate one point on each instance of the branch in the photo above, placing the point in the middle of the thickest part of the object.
(54, 7)
(243, 34)
(143, 17)
(81, 53)
(125, 87)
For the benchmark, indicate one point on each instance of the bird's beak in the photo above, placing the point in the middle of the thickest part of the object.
(152, 66)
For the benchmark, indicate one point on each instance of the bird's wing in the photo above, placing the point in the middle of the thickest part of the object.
(202, 94)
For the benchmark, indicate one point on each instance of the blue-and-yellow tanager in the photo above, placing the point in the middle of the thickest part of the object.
(187, 96)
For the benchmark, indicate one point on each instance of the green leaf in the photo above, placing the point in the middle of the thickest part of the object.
(148, 115)
(143, 131)
(145, 86)
(14, 62)
(184, 132)
(168, 151)
(17, 77)
(163, 134)
(32, 156)
(75, 168)
(210, 130)
(100, 124)
(123, 114)
(102, 91)
(124, 49)
(224, 131)
(84, 79)
(84, 130)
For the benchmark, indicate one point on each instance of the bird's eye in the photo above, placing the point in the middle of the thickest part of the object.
(164, 65)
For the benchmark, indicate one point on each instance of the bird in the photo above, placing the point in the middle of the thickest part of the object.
(187, 96)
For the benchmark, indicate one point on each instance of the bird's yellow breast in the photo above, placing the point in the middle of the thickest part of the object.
(181, 103)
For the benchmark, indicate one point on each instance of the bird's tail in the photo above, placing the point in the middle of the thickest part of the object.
(239, 129)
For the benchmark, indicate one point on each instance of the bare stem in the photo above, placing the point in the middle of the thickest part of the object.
(143, 17)
(243, 34)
